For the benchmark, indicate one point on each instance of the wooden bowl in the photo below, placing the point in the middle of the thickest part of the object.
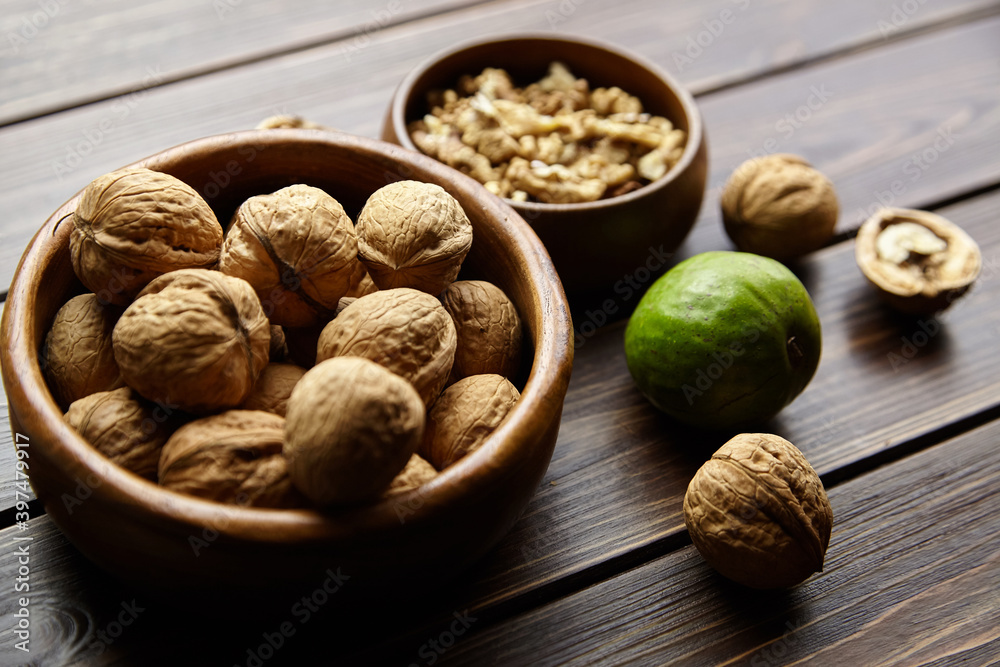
(592, 244)
(177, 546)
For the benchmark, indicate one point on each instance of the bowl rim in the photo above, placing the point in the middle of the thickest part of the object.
(404, 91)
(544, 389)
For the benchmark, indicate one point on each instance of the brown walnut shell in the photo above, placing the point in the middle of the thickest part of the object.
(758, 512)
(416, 473)
(233, 457)
(125, 427)
(135, 224)
(779, 206)
(488, 328)
(297, 248)
(405, 330)
(193, 339)
(273, 388)
(464, 416)
(413, 234)
(78, 358)
(352, 426)
(918, 283)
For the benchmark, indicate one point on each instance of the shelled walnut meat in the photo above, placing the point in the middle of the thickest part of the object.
(352, 426)
(233, 457)
(78, 358)
(919, 262)
(135, 224)
(298, 250)
(488, 328)
(758, 512)
(555, 140)
(405, 330)
(193, 339)
(413, 234)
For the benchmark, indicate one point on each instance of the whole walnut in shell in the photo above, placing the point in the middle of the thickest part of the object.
(416, 473)
(273, 388)
(758, 513)
(488, 328)
(124, 427)
(779, 206)
(233, 457)
(351, 427)
(135, 224)
(413, 234)
(297, 248)
(405, 330)
(78, 358)
(919, 262)
(464, 416)
(193, 339)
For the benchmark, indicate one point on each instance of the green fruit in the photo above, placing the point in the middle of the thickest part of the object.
(723, 339)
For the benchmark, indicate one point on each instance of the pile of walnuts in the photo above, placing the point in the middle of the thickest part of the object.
(296, 359)
(553, 141)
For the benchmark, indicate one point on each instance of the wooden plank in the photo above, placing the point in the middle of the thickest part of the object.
(58, 54)
(60, 154)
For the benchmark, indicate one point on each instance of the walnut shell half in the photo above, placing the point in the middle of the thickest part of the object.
(233, 457)
(413, 234)
(193, 339)
(758, 512)
(135, 224)
(919, 262)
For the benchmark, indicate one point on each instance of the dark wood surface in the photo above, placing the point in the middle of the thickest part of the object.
(600, 570)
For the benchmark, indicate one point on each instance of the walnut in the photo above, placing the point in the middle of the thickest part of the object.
(77, 357)
(413, 234)
(779, 206)
(919, 262)
(297, 248)
(361, 282)
(464, 416)
(352, 426)
(278, 350)
(234, 457)
(416, 473)
(124, 427)
(405, 330)
(134, 224)
(273, 387)
(488, 328)
(193, 339)
(758, 513)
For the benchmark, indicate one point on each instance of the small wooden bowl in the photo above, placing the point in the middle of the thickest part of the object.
(177, 546)
(592, 244)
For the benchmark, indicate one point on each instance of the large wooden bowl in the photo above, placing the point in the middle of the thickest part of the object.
(167, 543)
(592, 244)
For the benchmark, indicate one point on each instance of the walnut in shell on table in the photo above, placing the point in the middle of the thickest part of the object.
(134, 224)
(193, 339)
(78, 358)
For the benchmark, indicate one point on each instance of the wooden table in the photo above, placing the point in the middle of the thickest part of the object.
(897, 101)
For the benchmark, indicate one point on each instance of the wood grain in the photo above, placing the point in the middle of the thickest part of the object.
(61, 54)
(911, 578)
(60, 154)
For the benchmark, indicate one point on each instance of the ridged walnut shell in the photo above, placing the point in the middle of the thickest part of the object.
(125, 427)
(273, 388)
(135, 224)
(405, 330)
(351, 427)
(464, 416)
(297, 248)
(193, 339)
(416, 473)
(233, 457)
(758, 512)
(78, 358)
(488, 328)
(779, 206)
(413, 234)
(919, 284)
